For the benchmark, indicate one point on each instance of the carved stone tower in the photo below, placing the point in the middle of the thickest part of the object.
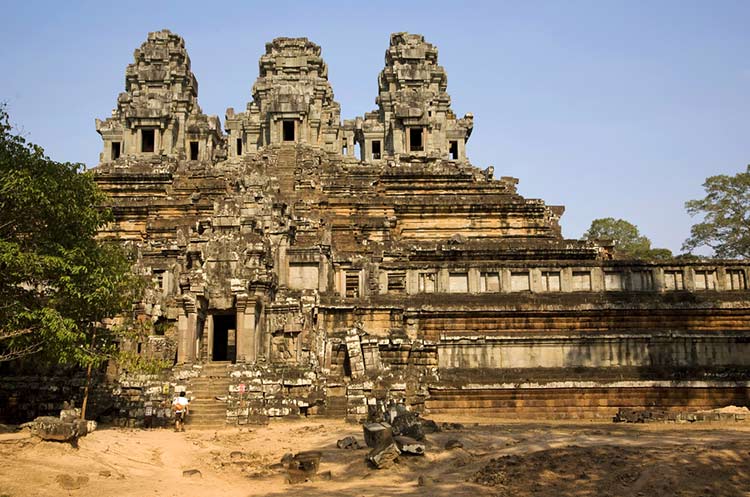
(292, 101)
(158, 114)
(414, 116)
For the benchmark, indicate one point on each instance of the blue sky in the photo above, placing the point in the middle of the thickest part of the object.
(617, 109)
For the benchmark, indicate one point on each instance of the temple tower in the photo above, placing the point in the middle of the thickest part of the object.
(414, 116)
(292, 101)
(158, 114)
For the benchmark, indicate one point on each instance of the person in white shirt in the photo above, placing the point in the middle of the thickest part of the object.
(180, 408)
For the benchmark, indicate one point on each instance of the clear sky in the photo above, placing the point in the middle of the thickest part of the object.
(611, 108)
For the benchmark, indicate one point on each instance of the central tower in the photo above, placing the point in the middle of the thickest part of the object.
(292, 101)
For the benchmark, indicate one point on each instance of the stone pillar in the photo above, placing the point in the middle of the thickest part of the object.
(246, 333)
(283, 262)
(187, 333)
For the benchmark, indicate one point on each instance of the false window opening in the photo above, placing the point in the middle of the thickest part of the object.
(147, 140)
(115, 150)
(453, 150)
(458, 282)
(551, 281)
(288, 130)
(519, 281)
(397, 282)
(415, 140)
(489, 281)
(352, 284)
(193, 150)
(376, 149)
(426, 282)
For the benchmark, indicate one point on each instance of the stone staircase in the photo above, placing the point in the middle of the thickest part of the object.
(206, 412)
(285, 168)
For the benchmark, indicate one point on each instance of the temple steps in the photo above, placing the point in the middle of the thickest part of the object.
(206, 410)
(286, 166)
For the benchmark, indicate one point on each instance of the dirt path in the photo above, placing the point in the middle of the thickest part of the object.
(519, 459)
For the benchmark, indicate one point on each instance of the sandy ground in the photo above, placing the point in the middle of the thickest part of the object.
(499, 459)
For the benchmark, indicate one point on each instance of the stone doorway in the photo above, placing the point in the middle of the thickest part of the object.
(224, 338)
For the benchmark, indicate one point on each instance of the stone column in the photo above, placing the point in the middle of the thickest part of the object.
(187, 333)
(246, 332)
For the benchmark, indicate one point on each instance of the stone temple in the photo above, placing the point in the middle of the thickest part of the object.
(305, 264)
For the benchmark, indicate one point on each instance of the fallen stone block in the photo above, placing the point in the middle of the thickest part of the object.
(348, 443)
(408, 424)
(425, 481)
(454, 444)
(192, 473)
(51, 428)
(451, 426)
(408, 445)
(308, 461)
(302, 467)
(8, 428)
(68, 482)
(429, 426)
(384, 456)
(376, 434)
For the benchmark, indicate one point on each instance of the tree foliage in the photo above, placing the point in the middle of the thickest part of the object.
(628, 241)
(726, 216)
(57, 281)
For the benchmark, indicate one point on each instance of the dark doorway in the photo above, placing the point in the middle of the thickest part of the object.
(147, 140)
(288, 129)
(193, 150)
(415, 140)
(376, 149)
(225, 338)
(115, 150)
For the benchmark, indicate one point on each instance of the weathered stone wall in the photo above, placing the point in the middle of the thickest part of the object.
(326, 282)
(651, 350)
(583, 400)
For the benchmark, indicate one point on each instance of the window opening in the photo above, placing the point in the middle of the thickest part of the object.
(239, 146)
(453, 149)
(673, 280)
(737, 280)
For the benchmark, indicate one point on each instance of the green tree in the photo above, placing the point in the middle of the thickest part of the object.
(725, 209)
(628, 241)
(58, 282)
